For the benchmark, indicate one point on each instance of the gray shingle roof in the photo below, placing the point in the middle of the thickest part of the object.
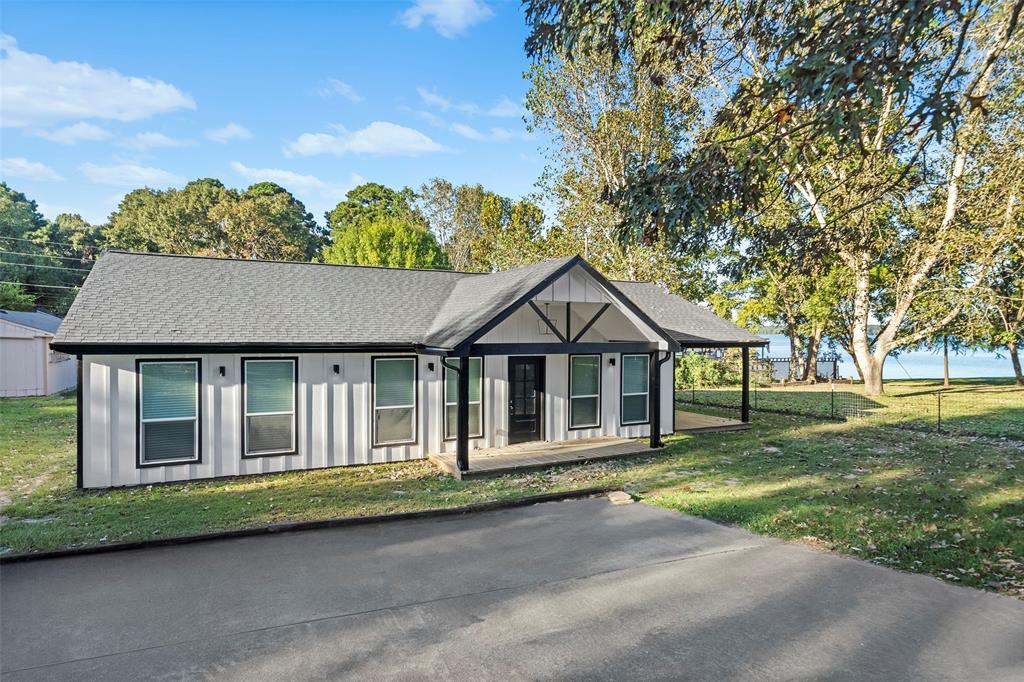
(148, 299)
(36, 320)
(687, 322)
(132, 298)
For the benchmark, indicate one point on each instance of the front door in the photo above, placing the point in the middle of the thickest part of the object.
(526, 399)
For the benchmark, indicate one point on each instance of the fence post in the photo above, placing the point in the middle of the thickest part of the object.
(832, 390)
(938, 411)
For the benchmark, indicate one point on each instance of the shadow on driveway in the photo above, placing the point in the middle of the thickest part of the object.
(579, 589)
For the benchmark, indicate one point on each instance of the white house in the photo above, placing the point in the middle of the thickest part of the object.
(201, 367)
(28, 366)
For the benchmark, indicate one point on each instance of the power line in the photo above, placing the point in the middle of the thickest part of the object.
(40, 255)
(33, 241)
(37, 286)
(48, 267)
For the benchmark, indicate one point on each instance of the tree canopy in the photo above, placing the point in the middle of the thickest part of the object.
(386, 240)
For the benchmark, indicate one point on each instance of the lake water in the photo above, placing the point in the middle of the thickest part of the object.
(918, 364)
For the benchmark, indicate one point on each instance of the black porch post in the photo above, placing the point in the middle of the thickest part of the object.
(462, 419)
(655, 388)
(745, 407)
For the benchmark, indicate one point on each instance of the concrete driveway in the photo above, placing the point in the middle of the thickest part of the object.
(565, 590)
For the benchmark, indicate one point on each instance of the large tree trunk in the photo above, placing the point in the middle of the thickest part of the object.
(945, 360)
(1015, 359)
(796, 347)
(871, 373)
(869, 363)
(811, 363)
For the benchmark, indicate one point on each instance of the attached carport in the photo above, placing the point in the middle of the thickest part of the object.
(696, 328)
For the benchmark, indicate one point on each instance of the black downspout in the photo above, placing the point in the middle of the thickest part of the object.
(80, 474)
(462, 434)
(655, 399)
(745, 406)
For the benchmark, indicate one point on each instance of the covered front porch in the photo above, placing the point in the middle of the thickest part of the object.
(539, 455)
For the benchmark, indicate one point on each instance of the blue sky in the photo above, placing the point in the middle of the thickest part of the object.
(99, 98)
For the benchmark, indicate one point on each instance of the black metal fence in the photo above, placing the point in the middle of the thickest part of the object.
(780, 369)
(977, 410)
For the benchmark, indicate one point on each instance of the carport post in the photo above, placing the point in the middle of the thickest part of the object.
(462, 420)
(745, 405)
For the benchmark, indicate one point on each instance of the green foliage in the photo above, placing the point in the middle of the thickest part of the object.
(479, 230)
(391, 241)
(206, 218)
(47, 260)
(702, 371)
(14, 297)
(371, 201)
(608, 116)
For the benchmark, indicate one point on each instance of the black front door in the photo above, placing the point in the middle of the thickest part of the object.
(526, 399)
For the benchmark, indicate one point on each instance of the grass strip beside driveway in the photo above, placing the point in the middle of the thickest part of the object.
(948, 506)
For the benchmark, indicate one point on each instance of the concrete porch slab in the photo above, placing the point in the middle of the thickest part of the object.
(538, 455)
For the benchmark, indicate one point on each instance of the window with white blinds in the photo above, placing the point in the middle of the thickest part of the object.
(635, 388)
(451, 399)
(168, 414)
(394, 401)
(584, 391)
(269, 395)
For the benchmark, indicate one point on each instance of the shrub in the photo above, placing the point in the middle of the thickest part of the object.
(705, 372)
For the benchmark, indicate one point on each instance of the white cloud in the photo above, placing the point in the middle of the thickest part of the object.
(435, 99)
(467, 132)
(324, 194)
(232, 131)
(152, 140)
(503, 108)
(430, 117)
(35, 90)
(492, 135)
(30, 170)
(506, 108)
(337, 88)
(73, 134)
(380, 137)
(450, 18)
(129, 175)
(286, 178)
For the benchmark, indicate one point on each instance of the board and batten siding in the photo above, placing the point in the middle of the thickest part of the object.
(334, 419)
(335, 415)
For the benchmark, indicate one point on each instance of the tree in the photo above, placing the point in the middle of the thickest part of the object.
(608, 115)
(206, 218)
(14, 297)
(46, 260)
(372, 200)
(385, 240)
(480, 230)
(266, 222)
(871, 112)
(172, 220)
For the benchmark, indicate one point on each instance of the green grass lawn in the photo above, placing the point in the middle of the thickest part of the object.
(989, 407)
(950, 506)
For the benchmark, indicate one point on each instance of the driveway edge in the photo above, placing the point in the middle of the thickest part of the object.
(296, 526)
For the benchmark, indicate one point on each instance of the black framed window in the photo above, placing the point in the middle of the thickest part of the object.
(168, 411)
(635, 388)
(584, 391)
(394, 400)
(476, 399)
(269, 403)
